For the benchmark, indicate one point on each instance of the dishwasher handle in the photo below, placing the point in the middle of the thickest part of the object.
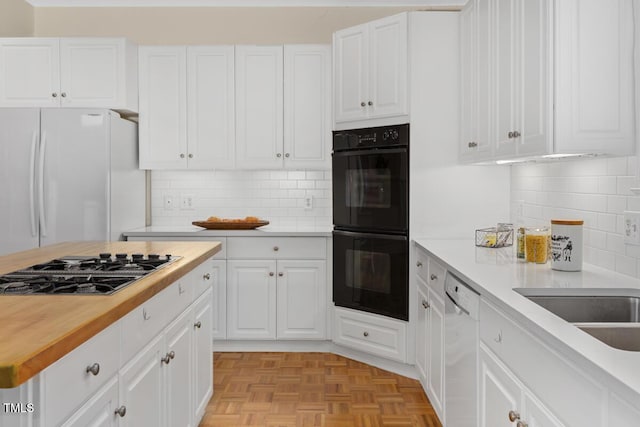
(458, 308)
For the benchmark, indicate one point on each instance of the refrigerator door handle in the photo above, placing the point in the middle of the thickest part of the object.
(32, 184)
(43, 220)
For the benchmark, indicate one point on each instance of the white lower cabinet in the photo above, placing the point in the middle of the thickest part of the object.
(99, 411)
(202, 354)
(430, 330)
(177, 367)
(505, 401)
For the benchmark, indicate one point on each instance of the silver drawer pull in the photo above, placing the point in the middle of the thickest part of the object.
(180, 290)
(122, 411)
(198, 324)
(145, 315)
(276, 249)
(498, 338)
(514, 415)
(271, 273)
(366, 334)
(207, 276)
(94, 369)
(433, 277)
(425, 304)
(166, 359)
(418, 264)
(522, 424)
(280, 274)
(172, 355)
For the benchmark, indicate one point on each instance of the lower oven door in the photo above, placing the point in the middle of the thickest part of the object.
(370, 273)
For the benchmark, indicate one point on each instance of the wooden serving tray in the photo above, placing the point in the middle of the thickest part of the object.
(228, 225)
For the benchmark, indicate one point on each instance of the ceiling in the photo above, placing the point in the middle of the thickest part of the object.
(247, 3)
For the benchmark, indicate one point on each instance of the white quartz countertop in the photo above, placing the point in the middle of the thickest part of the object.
(193, 231)
(494, 273)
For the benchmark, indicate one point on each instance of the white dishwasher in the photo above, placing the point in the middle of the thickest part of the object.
(461, 340)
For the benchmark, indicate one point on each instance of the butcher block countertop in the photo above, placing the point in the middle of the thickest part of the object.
(38, 330)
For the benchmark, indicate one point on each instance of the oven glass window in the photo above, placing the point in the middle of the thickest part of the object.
(370, 271)
(368, 188)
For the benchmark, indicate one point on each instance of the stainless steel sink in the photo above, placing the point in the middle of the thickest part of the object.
(610, 315)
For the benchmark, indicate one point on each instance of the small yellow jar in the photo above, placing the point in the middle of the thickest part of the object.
(536, 244)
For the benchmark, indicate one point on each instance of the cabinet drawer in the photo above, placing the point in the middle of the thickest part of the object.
(422, 265)
(276, 248)
(374, 334)
(149, 318)
(71, 373)
(535, 364)
(437, 274)
(203, 277)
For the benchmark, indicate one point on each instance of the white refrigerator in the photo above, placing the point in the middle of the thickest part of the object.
(67, 174)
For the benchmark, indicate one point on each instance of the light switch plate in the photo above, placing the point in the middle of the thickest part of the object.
(632, 227)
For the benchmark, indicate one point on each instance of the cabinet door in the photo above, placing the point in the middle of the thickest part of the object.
(594, 79)
(177, 372)
(259, 109)
(499, 392)
(537, 415)
(219, 298)
(203, 355)
(351, 73)
(535, 78)
(388, 67)
(29, 72)
(162, 119)
(468, 82)
(211, 107)
(307, 106)
(422, 332)
(435, 345)
(483, 105)
(301, 299)
(251, 299)
(505, 73)
(141, 387)
(92, 72)
(99, 411)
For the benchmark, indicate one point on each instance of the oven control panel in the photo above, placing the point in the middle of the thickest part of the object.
(375, 137)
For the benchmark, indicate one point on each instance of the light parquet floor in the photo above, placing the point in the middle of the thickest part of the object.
(311, 389)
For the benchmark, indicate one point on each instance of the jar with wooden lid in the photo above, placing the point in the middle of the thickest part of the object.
(566, 244)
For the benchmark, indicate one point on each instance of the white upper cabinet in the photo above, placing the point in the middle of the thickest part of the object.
(307, 106)
(370, 70)
(186, 107)
(560, 78)
(210, 107)
(259, 106)
(69, 72)
(163, 109)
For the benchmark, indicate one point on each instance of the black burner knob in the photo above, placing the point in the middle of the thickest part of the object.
(168, 256)
(121, 256)
(105, 255)
(137, 257)
(153, 256)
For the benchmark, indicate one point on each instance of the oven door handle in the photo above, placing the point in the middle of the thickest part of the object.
(370, 235)
(350, 153)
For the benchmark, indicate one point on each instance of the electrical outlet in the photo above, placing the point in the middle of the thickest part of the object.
(308, 203)
(187, 202)
(632, 227)
(168, 202)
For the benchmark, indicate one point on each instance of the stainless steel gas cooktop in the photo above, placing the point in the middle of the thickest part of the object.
(82, 275)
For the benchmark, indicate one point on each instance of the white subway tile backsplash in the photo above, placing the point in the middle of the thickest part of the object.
(595, 190)
(277, 196)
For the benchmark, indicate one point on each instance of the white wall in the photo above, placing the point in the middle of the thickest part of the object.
(595, 190)
(276, 196)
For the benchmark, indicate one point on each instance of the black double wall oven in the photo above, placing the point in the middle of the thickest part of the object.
(371, 220)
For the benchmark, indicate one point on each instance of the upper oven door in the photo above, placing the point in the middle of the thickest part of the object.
(371, 189)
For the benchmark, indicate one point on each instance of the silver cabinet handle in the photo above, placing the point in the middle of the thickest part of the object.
(514, 415)
(366, 334)
(418, 264)
(182, 155)
(180, 290)
(198, 324)
(145, 315)
(363, 104)
(172, 355)
(522, 424)
(276, 249)
(280, 274)
(166, 359)
(516, 134)
(498, 337)
(279, 155)
(472, 144)
(286, 154)
(94, 369)
(207, 276)
(433, 277)
(122, 411)
(63, 94)
(271, 273)
(370, 103)
(55, 95)
(190, 156)
(425, 304)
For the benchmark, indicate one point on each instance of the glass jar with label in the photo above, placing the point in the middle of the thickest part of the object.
(536, 244)
(566, 244)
